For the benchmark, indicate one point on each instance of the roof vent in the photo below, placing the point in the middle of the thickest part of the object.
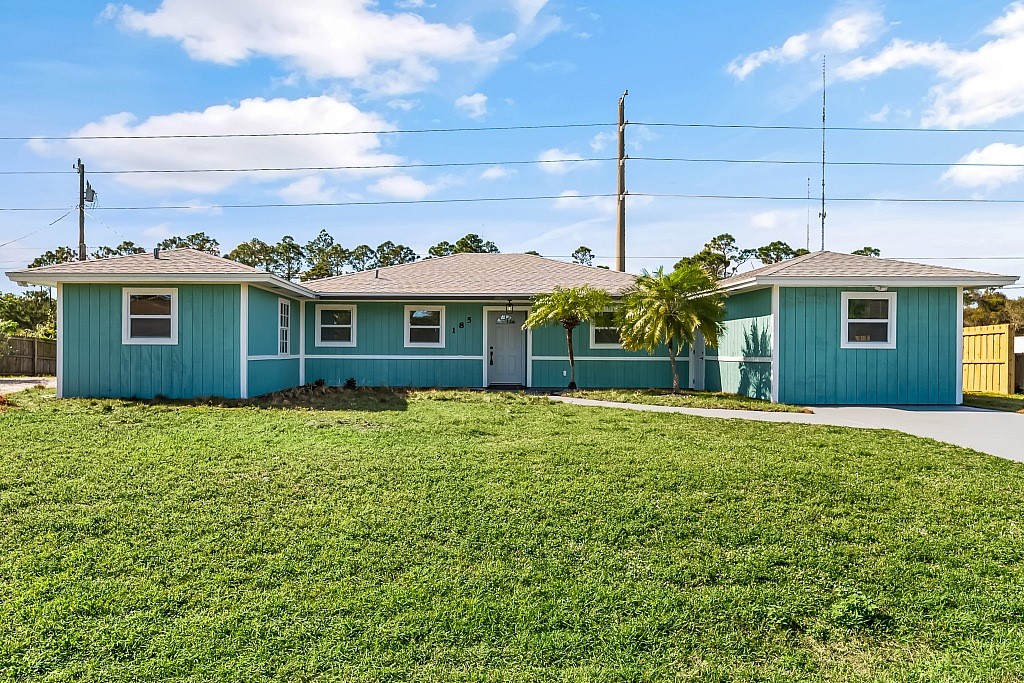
(376, 274)
(156, 252)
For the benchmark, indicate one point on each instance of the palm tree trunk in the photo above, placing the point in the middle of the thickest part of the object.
(672, 361)
(572, 359)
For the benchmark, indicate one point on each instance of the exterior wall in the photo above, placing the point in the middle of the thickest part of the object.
(600, 368)
(380, 357)
(270, 371)
(204, 362)
(742, 362)
(922, 369)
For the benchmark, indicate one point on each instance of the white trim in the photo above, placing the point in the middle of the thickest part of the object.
(529, 357)
(282, 304)
(959, 346)
(844, 324)
(318, 340)
(44, 278)
(980, 280)
(631, 359)
(243, 342)
(529, 343)
(60, 340)
(776, 325)
(593, 335)
(739, 359)
(274, 357)
(126, 317)
(440, 330)
(302, 342)
(363, 356)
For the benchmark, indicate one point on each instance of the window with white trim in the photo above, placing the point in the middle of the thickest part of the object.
(335, 325)
(868, 320)
(150, 316)
(604, 333)
(424, 326)
(284, 327)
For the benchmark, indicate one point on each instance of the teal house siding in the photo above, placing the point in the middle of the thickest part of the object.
(921, 370)
(380, 357)
(204, 362)
(601, 367)
(734, 367)
(266, 375)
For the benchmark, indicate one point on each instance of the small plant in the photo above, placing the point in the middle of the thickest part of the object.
(319, 382)
(350, 383)
(856, 610)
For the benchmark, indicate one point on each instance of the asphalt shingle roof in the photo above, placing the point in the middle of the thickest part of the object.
(171, 262)
(473, 275)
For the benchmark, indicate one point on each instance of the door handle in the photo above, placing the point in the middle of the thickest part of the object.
(492, 358)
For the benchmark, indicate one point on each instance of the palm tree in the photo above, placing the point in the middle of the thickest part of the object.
(568, 308)
(671, 309)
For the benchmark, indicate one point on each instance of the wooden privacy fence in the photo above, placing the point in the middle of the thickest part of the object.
(988, 359)
(29, 356)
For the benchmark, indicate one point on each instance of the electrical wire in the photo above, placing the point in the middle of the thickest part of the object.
(817, 129)
(34, 232)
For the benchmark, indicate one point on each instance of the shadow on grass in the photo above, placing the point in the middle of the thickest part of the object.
(308, 397)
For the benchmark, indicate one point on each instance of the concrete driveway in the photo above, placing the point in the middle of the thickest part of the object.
(9, 385)
(987, 431)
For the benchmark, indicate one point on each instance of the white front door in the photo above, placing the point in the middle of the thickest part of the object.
(506, 348)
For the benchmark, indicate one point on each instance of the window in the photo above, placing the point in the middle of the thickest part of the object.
(424, 326)
(284, 327)
(150, 316)
(335, 325)
(604, 333)
(869, 320)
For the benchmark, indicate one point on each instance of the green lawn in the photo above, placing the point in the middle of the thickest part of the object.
(687, 399)
(1012, 404)
(446, 536)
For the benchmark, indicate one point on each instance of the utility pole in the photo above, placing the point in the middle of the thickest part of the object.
(822, 214)
(620, 221)
(80, 167)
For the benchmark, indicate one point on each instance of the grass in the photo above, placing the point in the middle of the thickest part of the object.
(447, 536)
(1011, 404)
(687, 399)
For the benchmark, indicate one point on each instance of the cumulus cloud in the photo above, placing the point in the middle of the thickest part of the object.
(559, 161)
(474, 106)
(527, 10)
(844, 33)
(989, 177)
(308, 189)
(974, 87)
(600, 141)
(386, 54)
(496, 173)
(401, 186)
(255, 115)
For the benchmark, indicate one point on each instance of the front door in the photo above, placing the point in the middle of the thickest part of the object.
(506, 348)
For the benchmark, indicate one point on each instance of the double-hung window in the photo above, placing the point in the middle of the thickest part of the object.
(335, 325)
(284, 327)
(424, 326)
(868, 320)
(604, 333)
(150, 316)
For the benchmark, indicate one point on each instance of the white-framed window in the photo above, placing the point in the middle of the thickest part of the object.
(868, 320)
(335, 325)
(604, 333)
(424, 326)
(150, 316)
(284, 327)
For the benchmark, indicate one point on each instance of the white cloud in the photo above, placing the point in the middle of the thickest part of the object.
(496, 173)
(413, 4)
(403, 186)
(975, 86)
(779, 219)
(403, 104)
(989, 177)
(559, 161)
(600, 141)
(250, 116)
(571, 200)
(845, 33)
(160, 231)
(880, 116)
(387, 54)
(308, 189)
(474, 106)
(527, 10)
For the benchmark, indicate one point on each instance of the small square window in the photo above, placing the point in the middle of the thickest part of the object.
(335, 325)
(424, 326)
(604, 333)
(150, 316)
(868, 320)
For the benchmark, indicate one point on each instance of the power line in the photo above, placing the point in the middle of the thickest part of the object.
(817, 129)
(18, 239)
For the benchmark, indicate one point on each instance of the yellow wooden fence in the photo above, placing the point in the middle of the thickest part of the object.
(988, 359)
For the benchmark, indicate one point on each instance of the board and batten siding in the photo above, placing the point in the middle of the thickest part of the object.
(815, 370)
(269, 370)
(204, 362)
(380, 357)
(600, 368)
(741, 364)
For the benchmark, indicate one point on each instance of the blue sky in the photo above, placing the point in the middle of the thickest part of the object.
(228, 66)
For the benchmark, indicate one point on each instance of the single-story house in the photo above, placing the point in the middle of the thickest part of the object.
(822, 328)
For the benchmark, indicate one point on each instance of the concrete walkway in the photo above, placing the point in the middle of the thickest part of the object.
(988, 431)
(9, 385)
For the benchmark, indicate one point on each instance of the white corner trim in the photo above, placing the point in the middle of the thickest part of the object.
(844, 325)
(959, 346)
(529, 357)
(775, 344)
(318, 338)
(60, 340)
(126, 295)
(243, 342)
(302, 342)
(441, 330)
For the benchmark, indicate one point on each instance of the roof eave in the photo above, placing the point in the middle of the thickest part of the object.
(31, 277)
(431, 296)
(980, 280)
